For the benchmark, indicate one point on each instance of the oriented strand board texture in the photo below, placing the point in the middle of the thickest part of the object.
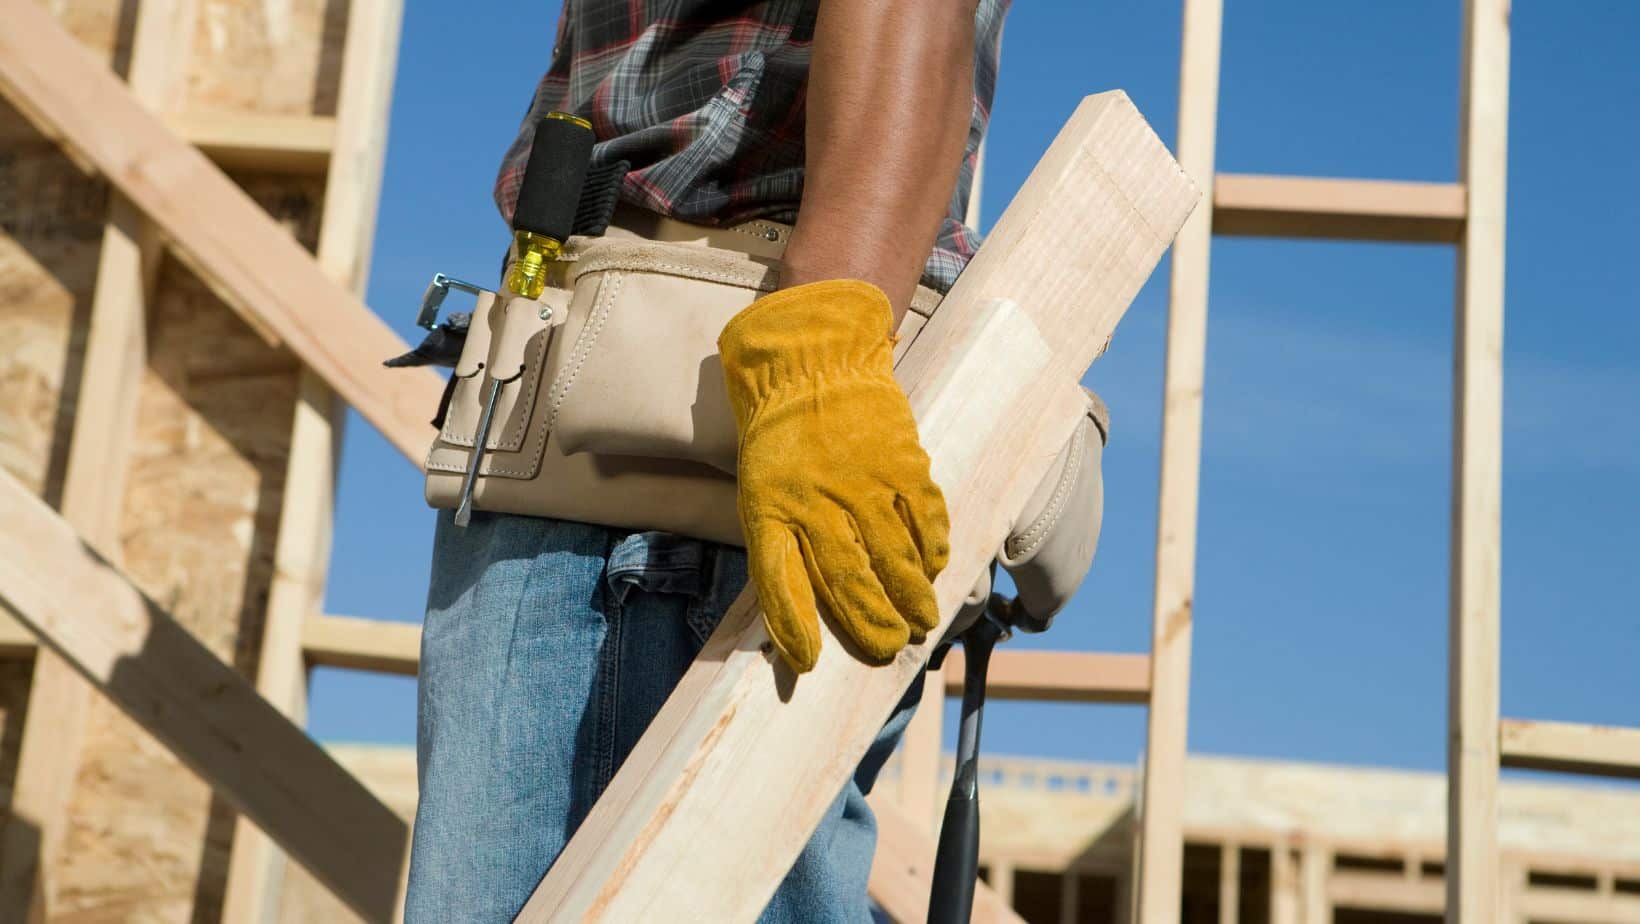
(50, 237)
(279, 56)
(146, 839)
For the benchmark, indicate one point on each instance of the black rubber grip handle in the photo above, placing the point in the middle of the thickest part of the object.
(951, 900)
(553, 177)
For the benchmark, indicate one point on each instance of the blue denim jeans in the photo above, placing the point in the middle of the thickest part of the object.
(548, 648)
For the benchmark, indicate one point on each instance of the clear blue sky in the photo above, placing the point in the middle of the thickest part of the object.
(1322, 597)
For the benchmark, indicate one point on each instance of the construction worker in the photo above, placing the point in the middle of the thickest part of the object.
(549, 644)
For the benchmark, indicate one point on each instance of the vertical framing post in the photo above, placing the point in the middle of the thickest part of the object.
(1315, 869)
(1230, 883)
(1161, 825)
(1283, 884)
(302, 550)
(1473, 880)
(1070, 895)
(94, 486)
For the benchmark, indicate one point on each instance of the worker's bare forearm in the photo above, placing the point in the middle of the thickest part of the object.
(889, 100)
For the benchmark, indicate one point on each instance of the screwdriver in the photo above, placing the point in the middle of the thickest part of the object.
(544, 217)
(548, 198)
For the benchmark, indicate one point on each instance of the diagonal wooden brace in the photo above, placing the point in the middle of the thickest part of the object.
(201, 708)
(713, 805)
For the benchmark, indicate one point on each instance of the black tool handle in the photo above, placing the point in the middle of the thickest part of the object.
(956, 862)
(557, 168)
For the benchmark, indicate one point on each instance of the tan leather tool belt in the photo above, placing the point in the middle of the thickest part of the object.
(609, 403)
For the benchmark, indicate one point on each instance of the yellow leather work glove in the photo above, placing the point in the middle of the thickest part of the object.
(836, 498)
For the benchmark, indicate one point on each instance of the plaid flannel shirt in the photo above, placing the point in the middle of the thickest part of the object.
(705, 100)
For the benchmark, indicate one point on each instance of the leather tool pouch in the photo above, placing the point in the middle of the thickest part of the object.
(611, 408)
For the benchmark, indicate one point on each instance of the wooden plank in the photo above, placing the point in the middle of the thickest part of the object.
(1069, 896)
(902, 872)
(199, 707)
(1284, 888)
(1477, 474)
(362, 644)
(282, 142)
(1342, 209)
(1545, 904)
(302, 556)
(93, 490)
(1314, 866)
(1361, 891)
(246, 258)
(1566, 747)
(1161, 820)
(1230, 883)
(301, 559)
(709, 810)
(1059, 676)
(1048, 676)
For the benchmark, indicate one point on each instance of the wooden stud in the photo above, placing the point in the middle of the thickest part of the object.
(1315, 865)
(1284, 890)
(1230, 883)
(1002, 879)
(709, 810)
(1566, 747)
(1477, 474)
(94, 488)
(1060, 676)
(1070, 896)
(1316, 207)
(1161, 824)
(302, 553)
(301, 558)
(246, 258)
(166, 680)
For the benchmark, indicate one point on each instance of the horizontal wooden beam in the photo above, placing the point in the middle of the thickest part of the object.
(1565, 747)
(249, 260)
(1059, 676)
(1050, 676)
(150, 666)
(362, 644)
(259, 140)
(1558, 904)
(1317, 207)
(1392, 892)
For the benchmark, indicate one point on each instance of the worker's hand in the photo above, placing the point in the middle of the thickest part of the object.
(836, 498)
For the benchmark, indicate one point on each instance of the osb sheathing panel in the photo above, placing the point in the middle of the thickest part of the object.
(146, 840)
(51, 218)
(281, 56)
